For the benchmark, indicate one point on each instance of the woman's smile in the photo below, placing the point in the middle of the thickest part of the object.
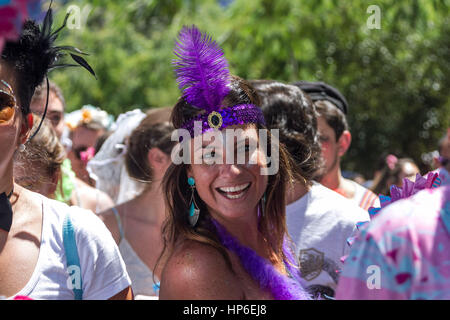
(234, 192)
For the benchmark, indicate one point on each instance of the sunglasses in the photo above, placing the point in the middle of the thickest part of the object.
(7, 102)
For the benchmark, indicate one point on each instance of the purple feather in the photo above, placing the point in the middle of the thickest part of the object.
(260, 269)
(201, 69)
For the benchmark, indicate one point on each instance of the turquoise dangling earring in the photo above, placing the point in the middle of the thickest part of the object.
(194, 211)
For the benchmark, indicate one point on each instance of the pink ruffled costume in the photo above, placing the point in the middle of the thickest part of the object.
(403, 253)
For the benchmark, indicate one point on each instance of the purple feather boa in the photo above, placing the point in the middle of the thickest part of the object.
(260, 269)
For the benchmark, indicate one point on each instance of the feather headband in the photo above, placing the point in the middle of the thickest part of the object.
(203, 76)
(38, 55)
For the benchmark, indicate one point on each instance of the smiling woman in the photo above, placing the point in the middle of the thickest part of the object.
(225, 236)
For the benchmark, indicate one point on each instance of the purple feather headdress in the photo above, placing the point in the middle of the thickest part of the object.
(203, 76)
(282, 287)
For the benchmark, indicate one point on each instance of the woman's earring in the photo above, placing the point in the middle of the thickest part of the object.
(263, 205)
(21, 148)
(194, 211)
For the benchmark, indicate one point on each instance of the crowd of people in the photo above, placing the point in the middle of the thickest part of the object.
(234, 192)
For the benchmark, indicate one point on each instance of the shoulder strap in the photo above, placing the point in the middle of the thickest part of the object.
(73, 260)
(77, 194)
(119, 223)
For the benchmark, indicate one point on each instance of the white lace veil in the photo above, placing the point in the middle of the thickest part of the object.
(108, 169)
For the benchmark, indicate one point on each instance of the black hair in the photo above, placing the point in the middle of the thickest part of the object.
(390, 176)
(154, 131)
(323, 91)
(334, 117)
(30, 59)
(289, 109)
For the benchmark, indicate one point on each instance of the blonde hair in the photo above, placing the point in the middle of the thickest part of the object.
(42, 157)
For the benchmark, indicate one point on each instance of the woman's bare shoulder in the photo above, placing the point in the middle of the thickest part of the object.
(198, 271)
(93, 198)
(31, 206)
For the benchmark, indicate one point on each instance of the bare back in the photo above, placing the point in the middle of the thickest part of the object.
(144, 237)
(90, 198)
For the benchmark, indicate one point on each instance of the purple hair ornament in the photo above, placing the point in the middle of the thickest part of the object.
(201, 69)
(204, 78)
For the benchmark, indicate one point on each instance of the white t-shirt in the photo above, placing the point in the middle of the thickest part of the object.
(102, 268)
(320, 223)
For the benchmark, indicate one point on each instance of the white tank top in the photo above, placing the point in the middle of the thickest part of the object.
(103, 271)
(141, 276)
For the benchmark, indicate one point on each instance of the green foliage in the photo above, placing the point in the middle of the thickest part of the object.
(395, 78)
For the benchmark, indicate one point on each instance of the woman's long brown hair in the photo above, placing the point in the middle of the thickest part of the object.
(272, 224)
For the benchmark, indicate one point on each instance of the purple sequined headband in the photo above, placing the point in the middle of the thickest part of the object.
(203, 76)
(220, 119)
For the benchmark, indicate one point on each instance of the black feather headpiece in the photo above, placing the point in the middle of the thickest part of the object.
(34, 54)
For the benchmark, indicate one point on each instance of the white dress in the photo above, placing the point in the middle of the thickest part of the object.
(141, 276)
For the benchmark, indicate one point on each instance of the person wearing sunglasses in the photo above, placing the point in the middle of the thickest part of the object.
(48, 250)
(87, 125)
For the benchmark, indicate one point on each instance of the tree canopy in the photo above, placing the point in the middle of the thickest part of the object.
(395, 78)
